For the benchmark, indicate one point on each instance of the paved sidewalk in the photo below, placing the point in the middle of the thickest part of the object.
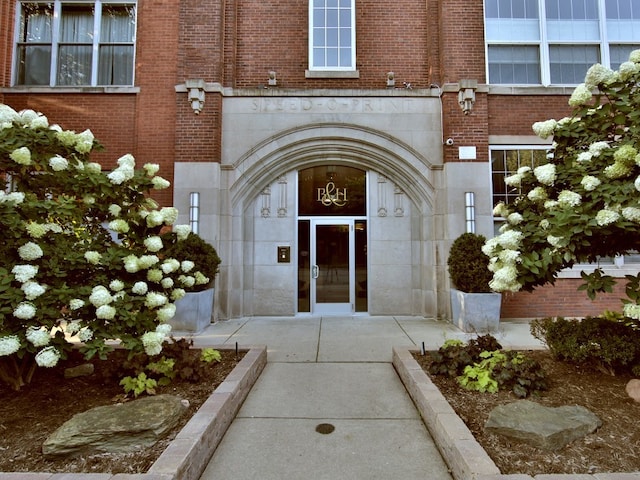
(329, 404)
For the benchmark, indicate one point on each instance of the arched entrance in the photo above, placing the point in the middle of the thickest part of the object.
(384, 255)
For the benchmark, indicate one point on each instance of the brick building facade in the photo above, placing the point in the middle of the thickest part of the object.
(240, 101)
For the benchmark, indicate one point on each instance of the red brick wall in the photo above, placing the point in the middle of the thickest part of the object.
(514, 115)
(7, 17)
(561, 300)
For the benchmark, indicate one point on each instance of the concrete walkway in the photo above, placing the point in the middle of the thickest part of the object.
(329, 404)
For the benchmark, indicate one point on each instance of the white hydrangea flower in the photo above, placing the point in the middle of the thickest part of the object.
(598, 74)
(119, 225)
(201, 279)
(36, 230)
(93, 167)
(500, 210)
(167, 312)
(89, 199)
(73, 327)
(47, 357)
(155, 299)
(597, 148)
(167, 282)
(93, 257)
(606, 217)
(169, 215)
(131, 264)
(39, 122)
(590, 183)
(152, 342)
(556, 242)
(632, 310)
(151, 168)
(25, 311)
(632, 214)
(76, 303)
(155, 275)
(515, 218)
(86, 333)
(147, 261)
(187, 265)
(514, 180)
(178, 293)
(567, 198)
(30, 251)
(116, 285)
(140, 288)
(544, 224)
(550, 204)
(545, 129)
(67, 137)
(84, 142)
(581, 95)
(187, 280)
(170, 265)
(21, 156)
(160, 183)
(546, 174)
(637, 184)
(38, 336)
(510, 239)
(9, 345)
(100, 296)
(164, 329)
(182, 231)
(117, 177)
(27, 116)
(537, 194)
(58, 163)
(105, 312)
(628, 70)
(153, 244)
(32, 290)
(584, 156)
(154, 219)
(490, 247)
(14, 197)
(24, 273)
(634, 56)
(8, 114)
(617, 170)
(115, 210)
(509, 256)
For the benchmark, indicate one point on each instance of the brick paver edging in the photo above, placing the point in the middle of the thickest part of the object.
(466, 459)
(186, 457)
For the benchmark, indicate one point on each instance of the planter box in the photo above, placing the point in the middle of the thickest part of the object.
(476, 312)
(194, 312)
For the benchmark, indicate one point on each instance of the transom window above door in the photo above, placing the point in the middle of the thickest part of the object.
(554, 42)
(70, 43)
(332, 190)
(332, 35)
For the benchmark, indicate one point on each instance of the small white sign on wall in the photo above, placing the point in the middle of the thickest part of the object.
(467, 153)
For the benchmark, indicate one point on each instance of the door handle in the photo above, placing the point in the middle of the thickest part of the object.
(315, 271)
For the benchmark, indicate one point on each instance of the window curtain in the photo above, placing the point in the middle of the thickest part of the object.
(76, 43)
(35, 47)
(117, 33)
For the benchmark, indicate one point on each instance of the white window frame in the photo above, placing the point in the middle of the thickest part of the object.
(55, 40)
(543, 43)
(352, 66)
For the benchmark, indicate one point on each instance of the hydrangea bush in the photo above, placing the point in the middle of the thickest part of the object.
(82, 252)
(584, 203)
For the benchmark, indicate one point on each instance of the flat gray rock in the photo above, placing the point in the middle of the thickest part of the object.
(120, 428)
(543, 427)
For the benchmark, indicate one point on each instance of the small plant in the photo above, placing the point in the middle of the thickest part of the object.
(139, 384)
(163, 368)
(607, 344)
(209, 355)
(468, 266)
(479, 375)
(455, 355)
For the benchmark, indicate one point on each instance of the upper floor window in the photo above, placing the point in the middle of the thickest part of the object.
(75, 43)
(332, 35)
(554, 42)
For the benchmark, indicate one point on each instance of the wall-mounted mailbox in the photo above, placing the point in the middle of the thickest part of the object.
(284, 254)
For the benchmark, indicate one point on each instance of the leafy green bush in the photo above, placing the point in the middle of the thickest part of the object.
(468, 266)
(606, 344)
(455, 355)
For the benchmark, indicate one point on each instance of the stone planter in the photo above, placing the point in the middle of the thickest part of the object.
(476, 312)
(194, 312)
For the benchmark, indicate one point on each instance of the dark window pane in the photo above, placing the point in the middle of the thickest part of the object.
(332, 190)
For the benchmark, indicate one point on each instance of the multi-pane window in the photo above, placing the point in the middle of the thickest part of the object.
(332, 44)
(554, 42)
(505, 161)
(75, 43)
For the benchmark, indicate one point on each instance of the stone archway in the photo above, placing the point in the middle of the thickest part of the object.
(274, 161)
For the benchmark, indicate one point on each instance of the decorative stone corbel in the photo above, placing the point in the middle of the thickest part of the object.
(467, 95)
(195, 90)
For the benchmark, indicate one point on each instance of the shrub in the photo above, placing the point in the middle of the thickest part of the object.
(468, 266)
(455, 355)
(606, 344)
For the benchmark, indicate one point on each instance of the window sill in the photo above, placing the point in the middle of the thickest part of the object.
(50, 90)
(332, 73)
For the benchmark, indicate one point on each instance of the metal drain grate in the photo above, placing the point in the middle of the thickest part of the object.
(325, 428)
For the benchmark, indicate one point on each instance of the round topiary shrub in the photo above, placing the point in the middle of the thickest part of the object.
(468, 266)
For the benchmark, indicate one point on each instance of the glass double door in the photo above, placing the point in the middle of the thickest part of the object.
(332, 278)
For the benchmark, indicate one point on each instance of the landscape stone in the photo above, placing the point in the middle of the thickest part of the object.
(633, 389)
(83, 370)
(119, 428)
(548, 428)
